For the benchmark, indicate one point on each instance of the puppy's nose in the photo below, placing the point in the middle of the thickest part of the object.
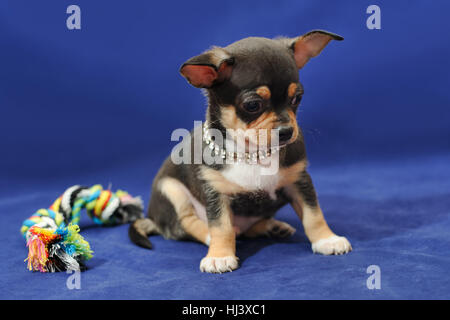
(285, 133)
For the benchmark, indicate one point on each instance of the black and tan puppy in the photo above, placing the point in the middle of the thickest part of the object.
(250, 84)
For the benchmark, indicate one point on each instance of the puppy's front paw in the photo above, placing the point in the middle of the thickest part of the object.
(219, 265)
(332, 245)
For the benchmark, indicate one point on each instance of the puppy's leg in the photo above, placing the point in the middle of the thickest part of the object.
(270, 228)
(221, 255)
(304, 201)
(177, 194)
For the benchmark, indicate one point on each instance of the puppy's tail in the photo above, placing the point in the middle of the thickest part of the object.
(140, 230)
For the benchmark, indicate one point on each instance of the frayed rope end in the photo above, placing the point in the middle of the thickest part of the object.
(57, 250)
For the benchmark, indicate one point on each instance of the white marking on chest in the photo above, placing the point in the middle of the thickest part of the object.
(251, 177)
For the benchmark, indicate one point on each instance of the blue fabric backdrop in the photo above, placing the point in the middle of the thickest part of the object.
(98, 105)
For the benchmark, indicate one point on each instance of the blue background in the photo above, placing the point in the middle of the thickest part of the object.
(98, 105)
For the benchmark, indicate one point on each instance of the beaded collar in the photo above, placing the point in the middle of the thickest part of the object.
(247, 157)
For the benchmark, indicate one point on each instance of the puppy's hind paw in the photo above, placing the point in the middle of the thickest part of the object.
(280, 229)
(219, 265)
(332, 245)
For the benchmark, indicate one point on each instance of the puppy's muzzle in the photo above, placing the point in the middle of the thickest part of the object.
(285, 134)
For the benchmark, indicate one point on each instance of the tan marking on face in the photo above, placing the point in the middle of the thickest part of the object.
(265, 121)
(230, 120)
(173, 190)
(294, 124)
(290, 175)
(292, 89)
(219, 182)
(263, 92)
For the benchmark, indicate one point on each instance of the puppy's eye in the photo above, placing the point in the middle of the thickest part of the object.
(252, 106)
(296, 99)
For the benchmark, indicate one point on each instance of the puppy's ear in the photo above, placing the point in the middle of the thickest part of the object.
(208, 69)
(310, 45)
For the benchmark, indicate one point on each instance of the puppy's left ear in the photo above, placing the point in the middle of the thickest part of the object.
(208, 69)
(310, 45)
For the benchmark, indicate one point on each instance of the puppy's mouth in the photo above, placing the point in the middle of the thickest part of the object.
(286, 135)
(262, 138)
(282, 144)
(282, 137)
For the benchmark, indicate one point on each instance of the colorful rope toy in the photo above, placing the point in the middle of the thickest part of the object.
(52, 235)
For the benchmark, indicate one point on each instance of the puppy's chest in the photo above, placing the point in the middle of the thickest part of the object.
(253, 178)
(257, 203)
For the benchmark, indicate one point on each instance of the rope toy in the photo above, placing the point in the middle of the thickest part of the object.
(52, 235)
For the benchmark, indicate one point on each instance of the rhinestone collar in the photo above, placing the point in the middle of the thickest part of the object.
(247, 157)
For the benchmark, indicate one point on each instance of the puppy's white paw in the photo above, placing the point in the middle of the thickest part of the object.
(219, 265)
(332, 245)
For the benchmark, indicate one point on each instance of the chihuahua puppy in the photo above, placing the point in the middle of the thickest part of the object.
(252, 84)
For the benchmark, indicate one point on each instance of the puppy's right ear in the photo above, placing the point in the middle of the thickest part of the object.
(310, 45)
(208, 69)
